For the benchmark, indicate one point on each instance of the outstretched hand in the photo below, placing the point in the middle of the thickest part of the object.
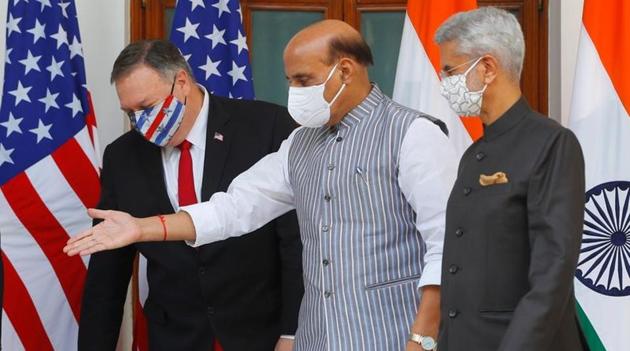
(117, 229)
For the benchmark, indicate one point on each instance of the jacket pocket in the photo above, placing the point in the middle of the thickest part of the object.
(393, 282)
(503, 317)
(494, 189)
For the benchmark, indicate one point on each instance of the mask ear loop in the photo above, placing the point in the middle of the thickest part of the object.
(331, 73)
(472, 66)
(173, 85)
(343, 86)
(458, 66)
(470, 69)
(173, 89)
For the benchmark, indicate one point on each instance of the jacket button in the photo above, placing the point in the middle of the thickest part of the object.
(327, 294)
(339, 139)
(480, 156)
(327, 197)
(467, 191)
(459, 232)
(325, 262)
(210, 310)
(453, 269)
(331, 167)
(452, 313)
(202, 271)
(325, 228)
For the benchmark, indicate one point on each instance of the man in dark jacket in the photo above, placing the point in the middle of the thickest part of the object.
(514, 218)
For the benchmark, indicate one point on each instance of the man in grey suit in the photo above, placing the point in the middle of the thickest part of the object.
(514, 219)
(369, 180)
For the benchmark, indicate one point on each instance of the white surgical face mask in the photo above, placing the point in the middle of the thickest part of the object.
(463, 101)
(307, 105)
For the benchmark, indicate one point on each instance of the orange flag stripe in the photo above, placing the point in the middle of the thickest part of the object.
(607, 22)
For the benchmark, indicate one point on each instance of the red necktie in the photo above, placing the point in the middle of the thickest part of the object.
(186, 182)
(186, 189)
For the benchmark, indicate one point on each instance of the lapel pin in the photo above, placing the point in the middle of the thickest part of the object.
(218, 136)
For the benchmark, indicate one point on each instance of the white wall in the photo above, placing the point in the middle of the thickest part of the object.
(104, 33)
(565, 20)
(104, 30)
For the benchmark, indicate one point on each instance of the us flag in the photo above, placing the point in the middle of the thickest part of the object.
(48, 174)
(210, 35)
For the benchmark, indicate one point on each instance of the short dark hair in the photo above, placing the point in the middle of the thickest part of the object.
(161, 55)
(356, 48)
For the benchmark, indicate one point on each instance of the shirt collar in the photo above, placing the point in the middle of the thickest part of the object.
(364, 109)
(509, 119)
(197, 134)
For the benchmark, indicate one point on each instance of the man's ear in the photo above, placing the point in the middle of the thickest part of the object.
(348, 68)
(491, 68)
(183, 80)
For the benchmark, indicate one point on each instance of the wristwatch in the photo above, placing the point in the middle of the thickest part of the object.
(426, 342)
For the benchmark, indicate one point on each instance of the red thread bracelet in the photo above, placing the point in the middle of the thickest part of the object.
(163, 220)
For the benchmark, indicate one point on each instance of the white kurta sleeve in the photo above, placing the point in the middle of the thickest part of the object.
(427, 172)
(254, 198)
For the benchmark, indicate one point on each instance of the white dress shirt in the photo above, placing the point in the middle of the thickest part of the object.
(170, 155)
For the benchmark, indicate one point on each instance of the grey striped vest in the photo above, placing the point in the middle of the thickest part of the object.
(362, 253)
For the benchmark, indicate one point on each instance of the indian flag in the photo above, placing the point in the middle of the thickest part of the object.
(600, 118)
(417, 83)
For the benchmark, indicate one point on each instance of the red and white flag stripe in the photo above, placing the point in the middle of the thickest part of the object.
(41, 208)
(141, 292)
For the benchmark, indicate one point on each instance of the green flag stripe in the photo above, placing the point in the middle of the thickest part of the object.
(594, 343)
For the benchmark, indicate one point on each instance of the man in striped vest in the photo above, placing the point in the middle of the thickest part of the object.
(369, 179)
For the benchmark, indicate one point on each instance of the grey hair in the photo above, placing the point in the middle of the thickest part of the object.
(487, 30)
(161, 55)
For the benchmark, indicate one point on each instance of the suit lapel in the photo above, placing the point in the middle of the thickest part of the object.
(219, 137)
(151, 166)
(152, 170)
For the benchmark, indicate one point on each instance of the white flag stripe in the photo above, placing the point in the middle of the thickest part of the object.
(418, 86)
(59, 197)
(97, 146)
(10, 339)
(143, 283)
(83, 138)
(602, 125)
(37, 274)
(606, 315)
(597, 111)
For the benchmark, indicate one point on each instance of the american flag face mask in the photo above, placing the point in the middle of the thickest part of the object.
(158, 123)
